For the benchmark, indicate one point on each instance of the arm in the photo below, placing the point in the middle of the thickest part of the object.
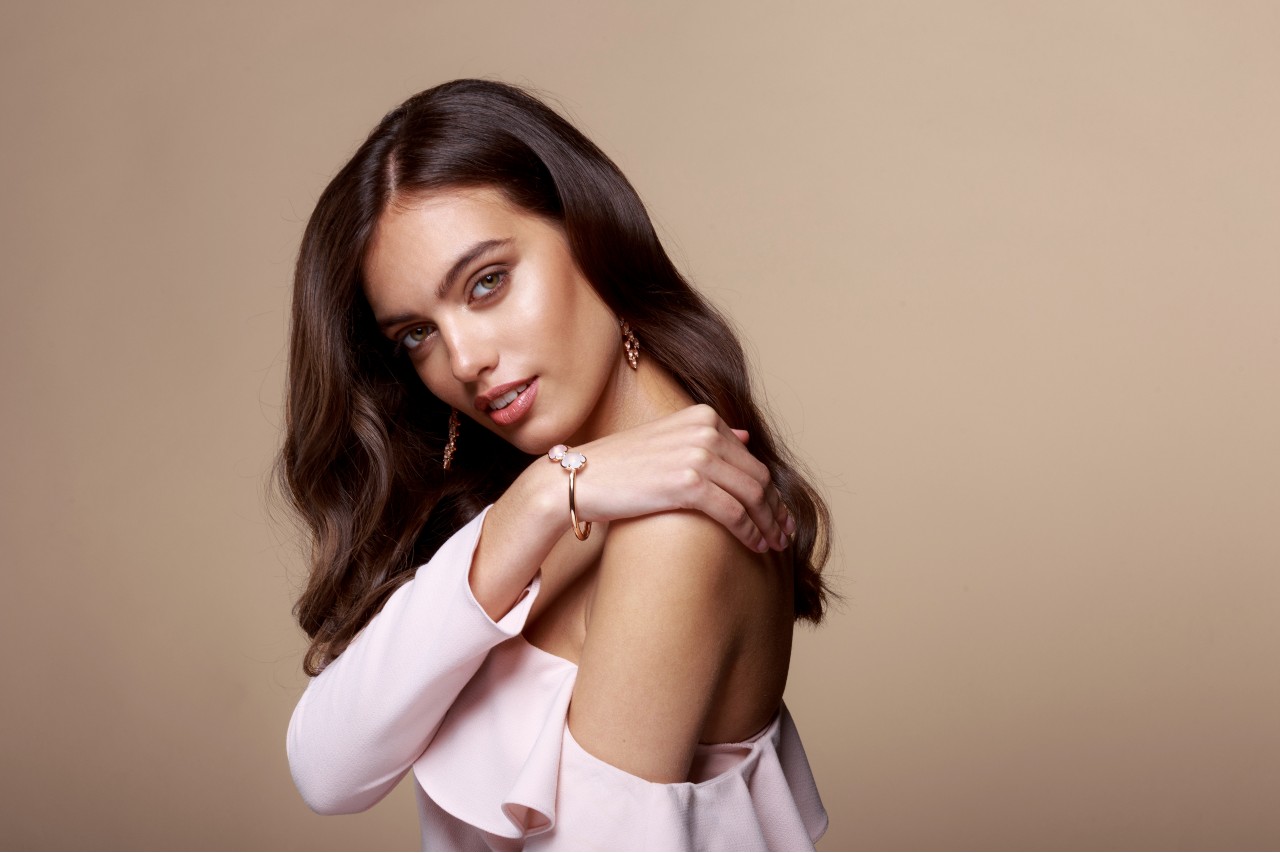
(373, 710)
(664, 627)
(690, 459)
(363, 721)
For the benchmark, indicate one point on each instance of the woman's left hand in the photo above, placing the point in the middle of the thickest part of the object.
(690, 459)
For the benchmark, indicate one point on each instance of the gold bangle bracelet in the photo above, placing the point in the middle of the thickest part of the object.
(573, 512)
(571, 462)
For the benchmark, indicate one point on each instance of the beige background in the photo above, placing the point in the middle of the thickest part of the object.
(1010, 276)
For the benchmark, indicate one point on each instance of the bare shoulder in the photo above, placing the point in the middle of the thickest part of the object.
(687, 640)
(683, 568)
(682, 547)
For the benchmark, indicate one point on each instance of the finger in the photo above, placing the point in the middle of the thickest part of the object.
(728, 511)
(756, 500)
(785, 517)
(738, 456)
(720, 440)
(733, 447)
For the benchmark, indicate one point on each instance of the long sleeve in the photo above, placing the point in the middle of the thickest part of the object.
(363, 721)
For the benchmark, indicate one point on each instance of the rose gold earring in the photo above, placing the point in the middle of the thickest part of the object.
(632, 345)
(451, 446)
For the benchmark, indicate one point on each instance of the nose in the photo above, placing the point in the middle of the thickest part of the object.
(471, 352)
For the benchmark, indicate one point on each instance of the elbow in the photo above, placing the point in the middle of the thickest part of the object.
(325, 800)
(324, 781)
(319, 787)
(328, 791)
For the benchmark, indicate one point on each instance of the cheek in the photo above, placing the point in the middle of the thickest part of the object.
(595, 332)
(542, 306)
(435, 374)
(569, 312)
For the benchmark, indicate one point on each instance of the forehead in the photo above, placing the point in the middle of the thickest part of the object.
(424, 234)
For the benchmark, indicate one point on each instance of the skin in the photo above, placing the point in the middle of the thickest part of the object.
(684, 517)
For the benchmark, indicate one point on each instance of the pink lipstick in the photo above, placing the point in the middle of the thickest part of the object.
(516, 408)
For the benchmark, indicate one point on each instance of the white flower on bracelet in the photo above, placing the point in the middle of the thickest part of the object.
(568, 459)
(571, 461)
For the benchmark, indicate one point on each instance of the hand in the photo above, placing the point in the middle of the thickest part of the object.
(690, 459)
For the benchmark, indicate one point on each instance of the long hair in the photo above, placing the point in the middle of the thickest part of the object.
(361, 461)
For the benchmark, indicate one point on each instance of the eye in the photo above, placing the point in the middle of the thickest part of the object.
(486, 284)
(415, 336)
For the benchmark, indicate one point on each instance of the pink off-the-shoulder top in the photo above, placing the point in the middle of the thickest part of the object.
(480, 715)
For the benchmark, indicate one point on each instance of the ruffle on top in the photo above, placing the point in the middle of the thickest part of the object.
(503, 772)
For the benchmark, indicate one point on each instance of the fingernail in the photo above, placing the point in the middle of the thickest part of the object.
(762, 546)
(790, 525)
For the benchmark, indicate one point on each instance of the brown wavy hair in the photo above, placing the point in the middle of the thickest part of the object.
(361, 461)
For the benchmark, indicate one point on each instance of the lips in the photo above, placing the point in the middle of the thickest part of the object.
(506, 404)
(505, 400)
(484, 401)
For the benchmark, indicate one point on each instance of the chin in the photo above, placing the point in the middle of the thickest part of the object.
(536, 439)
(527, 439)
(531, 447)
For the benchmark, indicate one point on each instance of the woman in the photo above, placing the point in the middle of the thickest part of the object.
(593, 655)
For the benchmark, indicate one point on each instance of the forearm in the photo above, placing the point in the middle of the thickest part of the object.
(518, 533)
(374, 709)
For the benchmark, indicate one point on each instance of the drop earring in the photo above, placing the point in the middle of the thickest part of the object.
(632, 345)
(451, 446)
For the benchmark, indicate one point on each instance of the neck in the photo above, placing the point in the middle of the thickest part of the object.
(632, 398)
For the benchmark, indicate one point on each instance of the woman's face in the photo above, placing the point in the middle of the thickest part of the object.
(488, 303)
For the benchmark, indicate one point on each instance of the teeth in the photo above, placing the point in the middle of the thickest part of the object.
(505, 400)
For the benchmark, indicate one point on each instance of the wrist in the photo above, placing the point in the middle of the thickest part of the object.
(519, 531)
(543, 489)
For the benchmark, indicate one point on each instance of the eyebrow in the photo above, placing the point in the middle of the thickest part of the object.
(464, 260)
